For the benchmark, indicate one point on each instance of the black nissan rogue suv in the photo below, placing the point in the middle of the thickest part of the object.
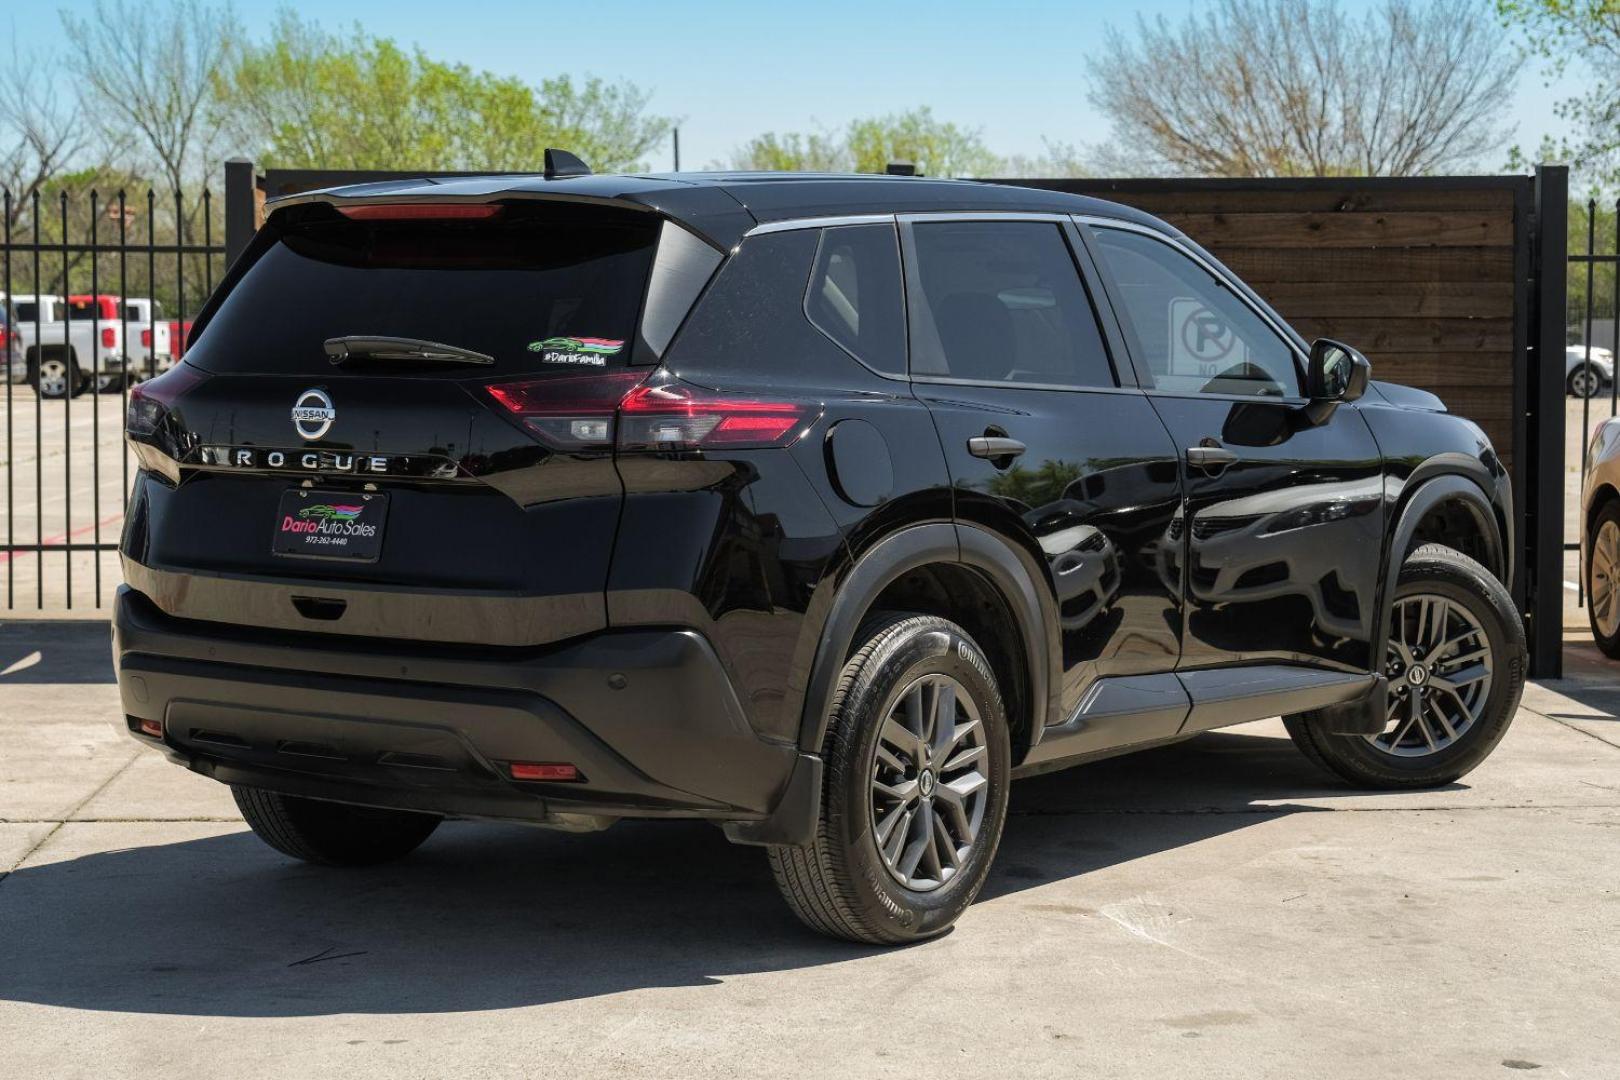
(820, 507)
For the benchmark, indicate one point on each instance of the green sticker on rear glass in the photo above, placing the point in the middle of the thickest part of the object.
(590, 351)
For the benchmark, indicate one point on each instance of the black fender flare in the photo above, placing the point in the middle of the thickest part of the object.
(1423, 491)
(794, 819)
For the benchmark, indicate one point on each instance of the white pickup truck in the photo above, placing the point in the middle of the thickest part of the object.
(69, 343)
(151, 350)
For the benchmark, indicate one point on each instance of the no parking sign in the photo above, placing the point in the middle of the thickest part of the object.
(1202, 342)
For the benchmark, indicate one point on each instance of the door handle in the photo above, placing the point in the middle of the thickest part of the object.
(994, 446)
(1210, 457)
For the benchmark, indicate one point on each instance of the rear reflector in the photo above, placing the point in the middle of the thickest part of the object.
(421, 212)
(153, 728)
(553, 771)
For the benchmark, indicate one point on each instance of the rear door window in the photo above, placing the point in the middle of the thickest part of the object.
(541, 288)
(855, 296)
(1003, 302)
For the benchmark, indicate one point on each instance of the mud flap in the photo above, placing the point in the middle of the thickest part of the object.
(1366, 715)
(793, 822)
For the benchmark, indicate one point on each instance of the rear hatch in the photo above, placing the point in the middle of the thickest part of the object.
(463, 494)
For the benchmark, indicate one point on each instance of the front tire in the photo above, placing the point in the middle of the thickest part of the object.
(917, 766)
(1603, 580)
(329, 833)
(1455, 661)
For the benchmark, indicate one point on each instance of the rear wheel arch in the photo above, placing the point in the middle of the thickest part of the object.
(959, 572)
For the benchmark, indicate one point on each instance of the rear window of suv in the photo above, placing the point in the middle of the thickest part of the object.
(539, 288)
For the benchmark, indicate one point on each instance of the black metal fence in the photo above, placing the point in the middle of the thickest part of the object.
(1584, 267)
(91, 288)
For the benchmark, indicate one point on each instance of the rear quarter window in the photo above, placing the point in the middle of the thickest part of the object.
(855, 296)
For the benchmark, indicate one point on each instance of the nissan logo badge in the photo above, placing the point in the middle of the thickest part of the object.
(312, 414)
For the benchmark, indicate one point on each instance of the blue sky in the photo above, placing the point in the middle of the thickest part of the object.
(1015, 69)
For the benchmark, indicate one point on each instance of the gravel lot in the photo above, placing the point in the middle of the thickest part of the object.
(1214, 909)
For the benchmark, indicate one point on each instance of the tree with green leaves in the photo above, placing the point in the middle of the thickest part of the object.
(1585, 33)
(307, 98)
(936, 147)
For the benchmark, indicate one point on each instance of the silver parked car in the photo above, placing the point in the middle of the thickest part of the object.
(1586, 378)
(1600, 510)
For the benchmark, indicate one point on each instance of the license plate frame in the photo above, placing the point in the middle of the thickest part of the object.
(336, 526)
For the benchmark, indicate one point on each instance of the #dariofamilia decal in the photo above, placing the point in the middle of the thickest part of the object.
(585, 351)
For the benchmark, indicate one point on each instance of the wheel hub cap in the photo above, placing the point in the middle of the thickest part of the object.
(930, 782)
(1604, 569)
(1439, 662)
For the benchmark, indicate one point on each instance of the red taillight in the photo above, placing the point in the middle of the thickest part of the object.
(536, 770)
(150, 402)
(571, 412)
(153, 728)
(672, 416)
(109, 338)
(598, 411)
(146, 339)
(421, 211)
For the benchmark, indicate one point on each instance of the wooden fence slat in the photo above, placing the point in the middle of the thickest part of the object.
(1374, 335)
(1390, 299)
(1348, 230)
(1257, 265)
(1316, 200)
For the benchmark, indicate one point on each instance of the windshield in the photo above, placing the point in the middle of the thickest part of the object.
(540, 288)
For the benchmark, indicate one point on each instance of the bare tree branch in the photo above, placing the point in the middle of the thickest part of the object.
(1298, 88)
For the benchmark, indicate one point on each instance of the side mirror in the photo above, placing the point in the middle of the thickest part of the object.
(1337, 372)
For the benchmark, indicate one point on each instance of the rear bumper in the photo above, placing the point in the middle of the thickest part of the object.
(648, 717)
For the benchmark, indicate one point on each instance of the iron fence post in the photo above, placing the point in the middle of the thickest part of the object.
(1544, 570)
(240, 210)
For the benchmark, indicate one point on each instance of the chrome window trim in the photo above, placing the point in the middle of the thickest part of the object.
(797, 224)
(1302, 360)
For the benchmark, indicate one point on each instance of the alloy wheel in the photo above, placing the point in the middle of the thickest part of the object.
(1439, 667)
(1605, 567)
(1584, 381)
(930, 784)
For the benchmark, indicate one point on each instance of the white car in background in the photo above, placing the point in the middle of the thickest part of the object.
(1585, 379)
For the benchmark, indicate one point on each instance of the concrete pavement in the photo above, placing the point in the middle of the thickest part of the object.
(1215, 909)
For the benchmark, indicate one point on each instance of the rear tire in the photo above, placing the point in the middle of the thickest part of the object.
(56, 375)
(329, 833)
(912, 810)
(1584, 382)
(1469, 688)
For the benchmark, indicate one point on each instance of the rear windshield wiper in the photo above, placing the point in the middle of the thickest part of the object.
(373, 347)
